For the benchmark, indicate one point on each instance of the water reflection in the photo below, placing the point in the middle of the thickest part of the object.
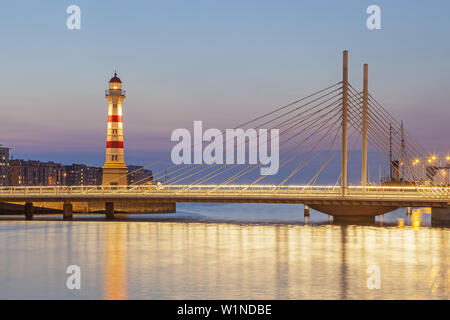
(115, 263)
(176, 260)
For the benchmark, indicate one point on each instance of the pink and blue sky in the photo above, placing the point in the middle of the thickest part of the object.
(222, 62)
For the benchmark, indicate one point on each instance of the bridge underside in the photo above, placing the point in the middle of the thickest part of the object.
(93, 206)
(358, 212)
(340, 209)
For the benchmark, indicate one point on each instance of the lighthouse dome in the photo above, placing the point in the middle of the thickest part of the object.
(115, 83)
(115, 79)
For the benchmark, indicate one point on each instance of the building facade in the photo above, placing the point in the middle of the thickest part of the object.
(82, 175)
(36, 173)
(4, 166)
(138, 175)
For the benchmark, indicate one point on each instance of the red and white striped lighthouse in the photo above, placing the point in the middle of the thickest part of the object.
(115, 169)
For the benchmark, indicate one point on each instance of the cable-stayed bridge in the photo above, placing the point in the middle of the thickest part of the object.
(319, 129)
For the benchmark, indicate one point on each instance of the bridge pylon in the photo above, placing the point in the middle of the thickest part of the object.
(364, 125)
(344, 122)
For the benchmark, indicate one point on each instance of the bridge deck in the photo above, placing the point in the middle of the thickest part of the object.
(373, 195)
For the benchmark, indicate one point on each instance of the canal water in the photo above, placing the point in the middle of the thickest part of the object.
(225, 251)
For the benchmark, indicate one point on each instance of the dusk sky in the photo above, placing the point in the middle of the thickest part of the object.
(222, 62)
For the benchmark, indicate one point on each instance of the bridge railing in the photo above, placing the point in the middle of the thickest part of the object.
(373, 192)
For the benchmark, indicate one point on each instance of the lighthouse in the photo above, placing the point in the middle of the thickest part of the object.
(115, 169)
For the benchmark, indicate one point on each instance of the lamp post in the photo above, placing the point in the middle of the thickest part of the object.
(447, 165)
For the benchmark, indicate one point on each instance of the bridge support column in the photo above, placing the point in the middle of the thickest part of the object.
(29, 211)
(408, 211)
(440, 216)
(306, 211)
(109, 210)
(67, 211)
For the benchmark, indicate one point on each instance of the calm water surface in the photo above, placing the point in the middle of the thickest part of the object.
(223, 252)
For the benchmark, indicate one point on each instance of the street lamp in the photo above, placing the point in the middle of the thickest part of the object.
(447, 158)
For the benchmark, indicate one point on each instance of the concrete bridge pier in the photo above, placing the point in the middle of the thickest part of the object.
(109, 210)
(67, 211)
(408, 211)
(29, 210)
(440, 216)
(348, 219)
(353, 212)
(306, 211)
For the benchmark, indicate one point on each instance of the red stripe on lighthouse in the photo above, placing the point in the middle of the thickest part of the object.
(115, 119)
(114, 144)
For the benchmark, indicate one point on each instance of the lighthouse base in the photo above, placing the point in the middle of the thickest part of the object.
(114, 175)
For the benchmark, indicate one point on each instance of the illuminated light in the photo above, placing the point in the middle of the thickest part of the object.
(447, 158)
(433, 158)
(429, 161)
(401, 222)
(416, 219)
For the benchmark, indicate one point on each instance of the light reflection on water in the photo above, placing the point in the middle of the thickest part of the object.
(192, 260)
(115, 277)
